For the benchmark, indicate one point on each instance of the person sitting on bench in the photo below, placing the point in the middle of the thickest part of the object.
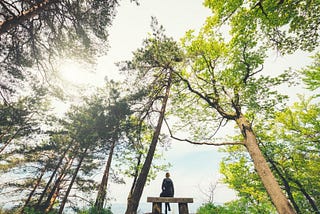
(167, 190)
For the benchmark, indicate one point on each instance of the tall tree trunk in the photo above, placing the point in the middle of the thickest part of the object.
(64, 201)
(135, 195)
(136, 172)
(53, 175)
(53, 197)
(14, 21)
(36, 185)
(56, 187)
(104, 182)
(270, 183)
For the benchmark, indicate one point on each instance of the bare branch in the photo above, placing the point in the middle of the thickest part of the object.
(203, 143)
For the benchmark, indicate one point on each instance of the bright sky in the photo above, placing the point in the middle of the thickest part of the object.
(194, 168)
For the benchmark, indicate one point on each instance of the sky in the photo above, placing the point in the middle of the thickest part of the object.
(194, 168)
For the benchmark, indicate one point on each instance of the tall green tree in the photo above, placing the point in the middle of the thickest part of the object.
(111, 130)
(221, 80)
(289, 143)
(81, 126)
(153, 66)
(223, 70)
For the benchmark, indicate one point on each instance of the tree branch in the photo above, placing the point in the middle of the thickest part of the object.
(203, 143)
(213, 103)
(14, 21)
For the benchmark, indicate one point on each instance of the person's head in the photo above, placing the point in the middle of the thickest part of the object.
(167, 175)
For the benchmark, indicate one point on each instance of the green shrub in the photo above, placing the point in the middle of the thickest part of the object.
(210, 208)
(93, 210)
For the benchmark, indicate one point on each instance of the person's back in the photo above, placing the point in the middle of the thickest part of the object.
(167, 189)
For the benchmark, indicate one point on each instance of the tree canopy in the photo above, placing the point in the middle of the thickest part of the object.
(213, 77)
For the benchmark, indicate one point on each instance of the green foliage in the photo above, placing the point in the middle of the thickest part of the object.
(62, 29)
(239, 206)
(222, 79)
(289, 142)
(93, 210)
(239, 174)
(27, 210)
(211, 208)
(311, 74)
(286, 25)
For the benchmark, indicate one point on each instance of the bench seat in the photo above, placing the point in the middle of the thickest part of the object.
(157, 203)
(170, 199)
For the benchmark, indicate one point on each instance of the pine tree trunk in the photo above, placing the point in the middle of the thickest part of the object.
(104, 182)
(37, 183)
(52, 176)
(64, 201)
(270, 183)
(136, 173)
(56, 188)
(135, 195)
(52, 199)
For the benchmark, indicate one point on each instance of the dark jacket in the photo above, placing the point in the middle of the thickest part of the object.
(167, 188)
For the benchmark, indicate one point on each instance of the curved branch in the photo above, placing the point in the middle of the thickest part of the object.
(211, 103)
(203, 143)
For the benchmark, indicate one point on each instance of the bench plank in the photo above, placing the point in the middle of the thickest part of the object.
(169, 200)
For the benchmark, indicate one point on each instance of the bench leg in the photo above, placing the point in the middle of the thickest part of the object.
(156, 208)
(183, 208)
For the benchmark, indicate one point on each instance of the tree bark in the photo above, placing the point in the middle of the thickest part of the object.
(14, 21)
(270, 183)
(64, 201)
(104, 182)
(136, 173)
(135, 195)
(37, 183)
(56, 188)
(53, 175)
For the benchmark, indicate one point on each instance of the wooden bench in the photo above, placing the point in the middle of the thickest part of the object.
(157, 204)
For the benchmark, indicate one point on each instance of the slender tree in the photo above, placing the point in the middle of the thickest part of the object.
(75, 173)
(115, 112)
(155, 63)
(54, 171)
